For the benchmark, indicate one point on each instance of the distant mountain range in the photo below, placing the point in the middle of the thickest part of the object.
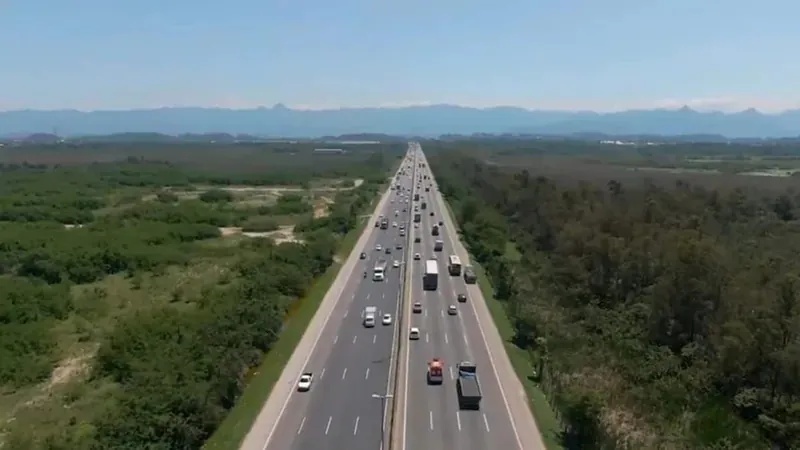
(280, 121)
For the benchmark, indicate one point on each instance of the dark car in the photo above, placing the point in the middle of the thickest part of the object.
(462, 298)
(431, 213)
(441, 223)
(363, 255)
(388, 250)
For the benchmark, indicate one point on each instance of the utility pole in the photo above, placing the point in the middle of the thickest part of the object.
(383, 399)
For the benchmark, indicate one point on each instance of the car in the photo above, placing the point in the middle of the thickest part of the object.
(388, 250)
(417, 256)
(399, 246)
(378, 247)
(417, 240)
(441, 223)
(402, 233)
(462, 298)
(304, 383)
(433, 256)
(431, 213)
(413, 334)
(394, 224)
(416, 225)
(396, 264)
(452, 310)
(417, 308)
(387, 319)
(363, 255)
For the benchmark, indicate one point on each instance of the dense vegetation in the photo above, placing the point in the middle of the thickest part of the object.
(162, 373)
(661, 314)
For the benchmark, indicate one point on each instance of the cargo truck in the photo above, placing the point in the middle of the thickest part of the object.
(469, 275)
(430, 280)
(467, 386)
(379, 272)
(369, 316)
(435, 371)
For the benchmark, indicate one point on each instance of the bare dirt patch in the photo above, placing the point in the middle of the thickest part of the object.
(322, 206)
(283, 234)
(70, 368)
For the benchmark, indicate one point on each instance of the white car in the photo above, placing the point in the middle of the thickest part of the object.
(304, 384)
(396, 264)
(387, 319)
(378, 247)
(413, 334)
(417, 257)
(452, 310)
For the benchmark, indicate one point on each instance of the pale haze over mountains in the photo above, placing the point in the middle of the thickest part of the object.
(280, 121)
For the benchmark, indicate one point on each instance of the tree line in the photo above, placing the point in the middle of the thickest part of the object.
(658, 316)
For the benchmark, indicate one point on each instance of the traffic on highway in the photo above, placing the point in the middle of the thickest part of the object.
(466, 409)
(349, 366)
(403, 314)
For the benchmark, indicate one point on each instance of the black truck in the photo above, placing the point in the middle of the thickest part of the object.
(468, 387)
(469, 275)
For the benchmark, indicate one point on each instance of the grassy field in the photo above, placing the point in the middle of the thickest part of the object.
(71, 394)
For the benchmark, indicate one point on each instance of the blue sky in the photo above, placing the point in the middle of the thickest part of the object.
(567, 54)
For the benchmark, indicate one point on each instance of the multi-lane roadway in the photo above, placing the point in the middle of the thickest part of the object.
(432, 416)
(350, 362)
(353, 366)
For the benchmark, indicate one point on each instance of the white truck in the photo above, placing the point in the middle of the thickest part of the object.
(370, 312)
(430, 280)
(379, 272)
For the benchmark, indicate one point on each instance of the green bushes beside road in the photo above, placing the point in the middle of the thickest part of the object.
(656, 315)
(135, 326)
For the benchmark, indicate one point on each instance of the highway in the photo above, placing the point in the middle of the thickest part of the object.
(350, 362)
(432, 418)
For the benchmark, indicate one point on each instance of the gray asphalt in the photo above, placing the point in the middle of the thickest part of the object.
(433, 419)
(350, 363)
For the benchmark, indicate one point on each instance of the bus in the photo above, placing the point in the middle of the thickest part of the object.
(455, 266)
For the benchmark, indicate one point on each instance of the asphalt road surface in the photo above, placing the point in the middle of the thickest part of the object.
(433, 420)
(350, 362)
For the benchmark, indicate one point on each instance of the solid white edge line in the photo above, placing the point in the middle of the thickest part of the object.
(351, 257)
(480, 327)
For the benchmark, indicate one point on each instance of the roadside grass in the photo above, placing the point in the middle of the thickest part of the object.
(236, 425)
(546, 418)
(70, 394)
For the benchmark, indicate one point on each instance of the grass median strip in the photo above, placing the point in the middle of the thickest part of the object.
(236, 425)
